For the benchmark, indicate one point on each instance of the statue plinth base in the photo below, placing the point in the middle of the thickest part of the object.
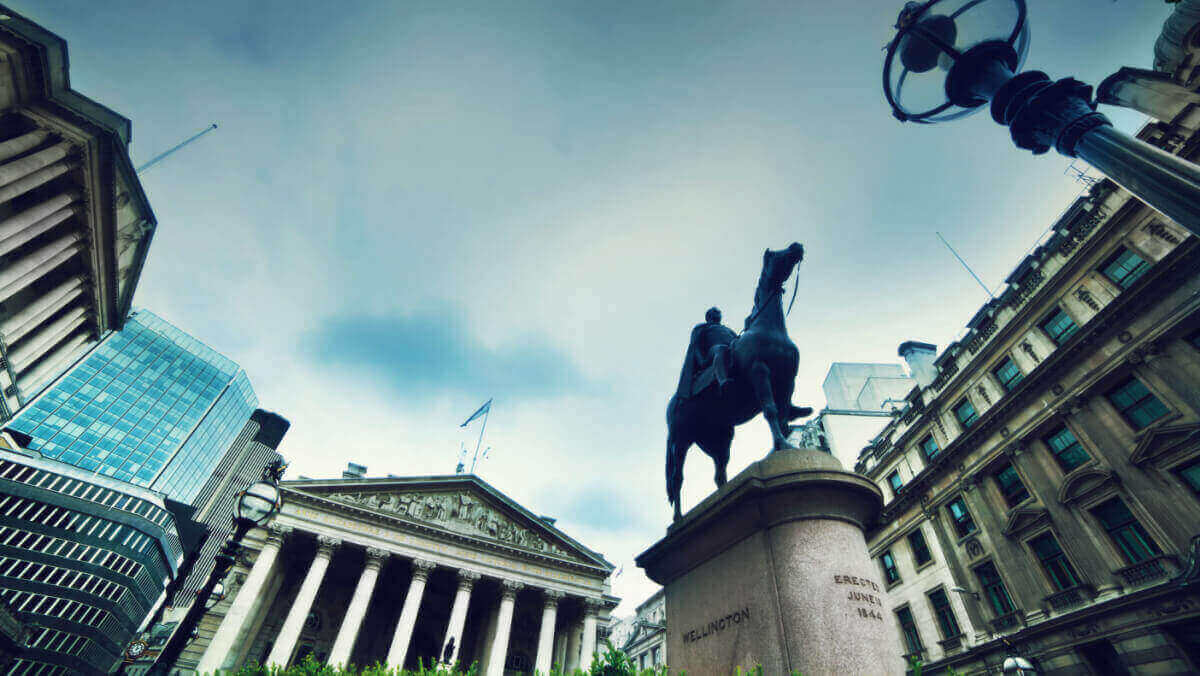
(773, 569)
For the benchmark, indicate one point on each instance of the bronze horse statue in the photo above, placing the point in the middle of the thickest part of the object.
(763, 363)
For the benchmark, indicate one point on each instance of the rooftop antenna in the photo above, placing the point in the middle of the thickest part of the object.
(967, 267)
(1080, 175)
(159, 157)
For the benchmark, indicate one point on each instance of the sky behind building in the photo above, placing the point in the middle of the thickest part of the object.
(411, 207)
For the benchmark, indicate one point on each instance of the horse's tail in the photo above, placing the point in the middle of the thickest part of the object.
(671, 460)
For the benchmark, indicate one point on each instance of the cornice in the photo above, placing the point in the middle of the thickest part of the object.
(400, 524)
(1180, 263)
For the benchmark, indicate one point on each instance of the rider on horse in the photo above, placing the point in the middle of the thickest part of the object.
(709, 344)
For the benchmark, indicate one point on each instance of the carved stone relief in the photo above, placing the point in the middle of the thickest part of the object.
(456, 512)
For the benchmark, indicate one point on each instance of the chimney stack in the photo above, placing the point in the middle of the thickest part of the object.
(919, 357)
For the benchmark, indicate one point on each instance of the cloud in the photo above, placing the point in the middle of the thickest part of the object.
(429, 353)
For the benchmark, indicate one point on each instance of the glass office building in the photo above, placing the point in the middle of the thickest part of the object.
(149, 404)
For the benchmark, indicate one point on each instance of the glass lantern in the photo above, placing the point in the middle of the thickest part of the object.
(937, 42)
(258, 502)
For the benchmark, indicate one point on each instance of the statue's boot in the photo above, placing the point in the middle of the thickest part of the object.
(721, 365)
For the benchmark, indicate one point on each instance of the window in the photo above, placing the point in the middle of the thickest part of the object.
(1125, 268)
(1010, 486)
(1066, 449)
(1136, 403)
(1191, 475)
(1127, 534)
(1008, 374)
(908, 627)
(1055, 563)
(890, 573)
(947, 623)
(963, 523)
(895, 482)
(929, 447)
(920, 550)
(1059, 327)
(993, 589)
(965, 413)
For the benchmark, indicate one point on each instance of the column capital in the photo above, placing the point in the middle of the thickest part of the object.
(421, 568)
(509, 588)
(551, 597)
(326, 544)
(376, 557)
(467, 578)
(276, 532)
(592, 605)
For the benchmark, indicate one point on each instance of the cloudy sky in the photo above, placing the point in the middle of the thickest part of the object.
(410, 207)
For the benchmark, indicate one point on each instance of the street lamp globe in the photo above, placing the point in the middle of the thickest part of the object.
(258, 502)
(1014, 664)
(932, 65)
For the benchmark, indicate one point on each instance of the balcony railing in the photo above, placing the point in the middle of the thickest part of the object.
(1006, 621)
(951, 644)
(1150, 570)
(1069, 598)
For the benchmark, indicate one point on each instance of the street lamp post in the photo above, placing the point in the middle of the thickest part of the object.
(950, 57)
(255, 506)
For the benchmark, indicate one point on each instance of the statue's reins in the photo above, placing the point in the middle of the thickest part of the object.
(776, 292)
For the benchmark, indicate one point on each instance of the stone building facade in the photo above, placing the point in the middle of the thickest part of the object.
(644, 637)
(75, 224)
(1044, 486)
(408, 570)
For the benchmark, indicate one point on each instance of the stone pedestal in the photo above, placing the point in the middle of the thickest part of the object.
(773, 569)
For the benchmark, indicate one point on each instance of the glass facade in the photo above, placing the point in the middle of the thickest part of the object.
(150, 405)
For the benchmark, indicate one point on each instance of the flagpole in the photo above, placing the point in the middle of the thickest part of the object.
(480, 441)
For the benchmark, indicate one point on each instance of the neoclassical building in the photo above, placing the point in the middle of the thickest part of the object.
(401, 570)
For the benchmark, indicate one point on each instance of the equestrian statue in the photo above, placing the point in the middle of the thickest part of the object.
(727, 378)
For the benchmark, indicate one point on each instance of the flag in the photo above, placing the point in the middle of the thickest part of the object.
(487, 406)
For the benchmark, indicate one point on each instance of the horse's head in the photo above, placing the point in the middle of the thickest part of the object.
(777, 265)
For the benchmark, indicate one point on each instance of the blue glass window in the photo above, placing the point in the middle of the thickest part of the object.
(1127, 534)
(1125, 268)
(1136, 403)
(1059, 327)
(965, 413)
(1066, 449)
(1010, 486)
(929, 447)
(1008, 374)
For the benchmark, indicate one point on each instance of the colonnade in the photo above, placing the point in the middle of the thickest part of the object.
(235, 627)
(54, 321)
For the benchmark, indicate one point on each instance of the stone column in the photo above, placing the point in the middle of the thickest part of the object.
(232, 629)
(23, 143)
(571, 660)
(508, 598)
(11, 171)
(545, 649)
(458, 616)
(348, 632)
(285, 642)
(588, 649)
(408, 614)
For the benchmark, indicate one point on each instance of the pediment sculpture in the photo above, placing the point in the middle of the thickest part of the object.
(460, 513)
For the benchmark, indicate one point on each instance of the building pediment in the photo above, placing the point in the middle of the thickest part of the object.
(1084, 482)
(461, 505)
(1164, 442)
(1025, 518)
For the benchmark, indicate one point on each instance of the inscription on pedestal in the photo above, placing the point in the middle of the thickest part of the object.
(716, 626)
(874, 603)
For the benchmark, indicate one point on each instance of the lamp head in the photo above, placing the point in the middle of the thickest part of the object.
(935, 38)
(257, 503)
